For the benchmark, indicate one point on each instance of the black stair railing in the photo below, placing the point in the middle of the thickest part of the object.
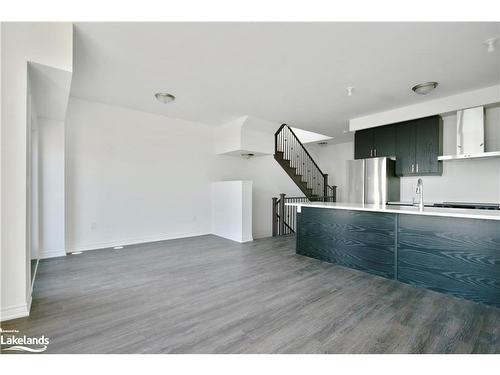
(285, 217)
(301, 167)
(289, 148)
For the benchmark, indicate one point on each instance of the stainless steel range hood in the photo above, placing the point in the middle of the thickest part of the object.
(470, 136)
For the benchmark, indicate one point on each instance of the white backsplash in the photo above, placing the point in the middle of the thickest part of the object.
(462, 181)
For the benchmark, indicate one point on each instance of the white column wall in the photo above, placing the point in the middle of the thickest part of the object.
(232, 210)
(46, 43)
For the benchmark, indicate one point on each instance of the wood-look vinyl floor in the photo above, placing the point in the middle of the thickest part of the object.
(210, 295)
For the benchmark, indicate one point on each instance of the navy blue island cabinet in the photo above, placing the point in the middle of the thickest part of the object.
(453, 255)
(355, 239)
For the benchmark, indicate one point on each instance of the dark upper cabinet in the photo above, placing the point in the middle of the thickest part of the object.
(428, 146)
(405, 148)
(418, 145)
(363, 144)
(375, 142)
(384, 141)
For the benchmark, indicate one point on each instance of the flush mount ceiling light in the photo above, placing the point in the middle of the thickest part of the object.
(164, 98)
(323, 143)
(424, 88)
(490, 43)
(248, 156)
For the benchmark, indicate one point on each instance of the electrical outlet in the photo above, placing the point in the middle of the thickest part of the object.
(93, 226)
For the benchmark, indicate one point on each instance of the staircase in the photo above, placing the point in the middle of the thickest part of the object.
(293, 157)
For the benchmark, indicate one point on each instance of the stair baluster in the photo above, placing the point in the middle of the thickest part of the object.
(294, 158)
(298, 163)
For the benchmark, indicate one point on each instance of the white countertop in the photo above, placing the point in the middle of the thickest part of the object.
(429, 211)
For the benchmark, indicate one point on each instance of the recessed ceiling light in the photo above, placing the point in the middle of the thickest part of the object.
(322, 143)
(248, 156)
(117, 247)
(164, 98)
(424, 88)
(76, 253)
(490, 43)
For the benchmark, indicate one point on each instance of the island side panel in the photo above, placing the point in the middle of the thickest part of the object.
(355, 239)
(457, 256)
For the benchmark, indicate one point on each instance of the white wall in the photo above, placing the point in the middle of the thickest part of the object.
(462, 181)
(134, 177)
(46, 43)
(232, 210)
(269, 179)
(35, 189)
(51, 188)
(49, 90)
(257, 135)
(227, 136)
(246, 134)
(332, 159)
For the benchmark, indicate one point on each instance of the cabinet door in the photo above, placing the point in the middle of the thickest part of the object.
(355, 239)
(405, 148)
(363, 144)
(384, 141)
(450, 255)
(428, 144)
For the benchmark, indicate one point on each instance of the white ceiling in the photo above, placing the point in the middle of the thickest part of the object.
(295, 73)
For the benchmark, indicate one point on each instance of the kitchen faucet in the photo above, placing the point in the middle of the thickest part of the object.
(420, 192)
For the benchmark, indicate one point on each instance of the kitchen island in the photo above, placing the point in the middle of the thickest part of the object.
(453, 251)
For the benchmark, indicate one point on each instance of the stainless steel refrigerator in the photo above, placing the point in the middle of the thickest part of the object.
(372, 181)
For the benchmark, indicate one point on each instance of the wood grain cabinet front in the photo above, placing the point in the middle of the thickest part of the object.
(355, 239)
(418, 145)
(375, 142)
(457, 256)
(460, 257)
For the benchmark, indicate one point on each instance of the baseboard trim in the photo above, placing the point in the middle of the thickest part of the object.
(239, 240)
(44, 254)
(129, 242)
(14, 312)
